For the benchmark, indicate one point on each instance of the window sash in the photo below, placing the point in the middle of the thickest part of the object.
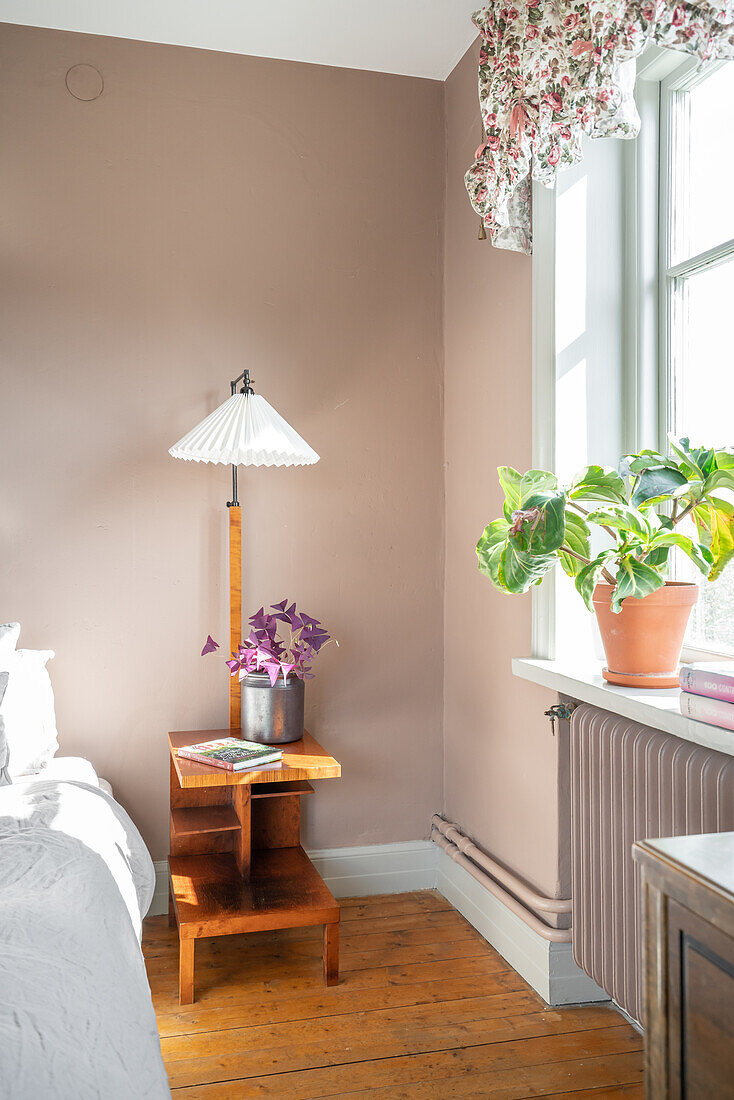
(648, 277)
(674, 273)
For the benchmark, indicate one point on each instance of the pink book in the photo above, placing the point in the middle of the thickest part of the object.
(712, 678)
(703, 709)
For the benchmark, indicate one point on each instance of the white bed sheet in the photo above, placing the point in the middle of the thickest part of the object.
(75, 769)
(76, 1018)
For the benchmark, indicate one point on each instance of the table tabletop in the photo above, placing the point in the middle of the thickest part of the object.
(305, 759)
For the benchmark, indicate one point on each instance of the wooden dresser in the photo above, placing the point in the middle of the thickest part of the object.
(688, 925)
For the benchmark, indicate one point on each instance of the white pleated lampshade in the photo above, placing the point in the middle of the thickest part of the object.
(245, 431)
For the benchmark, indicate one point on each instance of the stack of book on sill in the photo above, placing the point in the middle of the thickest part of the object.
(708, 692)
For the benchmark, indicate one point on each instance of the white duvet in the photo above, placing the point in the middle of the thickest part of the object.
(76, 1018)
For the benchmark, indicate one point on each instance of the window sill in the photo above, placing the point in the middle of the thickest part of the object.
(656, 708)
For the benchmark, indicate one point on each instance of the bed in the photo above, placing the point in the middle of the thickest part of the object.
(76, 1018)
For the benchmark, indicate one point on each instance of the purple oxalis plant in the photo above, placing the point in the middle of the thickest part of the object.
(269, 648)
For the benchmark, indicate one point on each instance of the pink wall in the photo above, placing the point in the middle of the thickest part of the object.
(213, 211)
(500, 765)
(206, 213)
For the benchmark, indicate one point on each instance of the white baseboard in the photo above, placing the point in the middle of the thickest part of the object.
(420, 865)
(548, 967)
(351, 872)
(377, 868)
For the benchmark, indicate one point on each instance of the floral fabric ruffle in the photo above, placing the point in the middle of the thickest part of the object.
(552, 70)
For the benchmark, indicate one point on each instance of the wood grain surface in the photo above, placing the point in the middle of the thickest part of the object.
(304, 759)
(424, 1008)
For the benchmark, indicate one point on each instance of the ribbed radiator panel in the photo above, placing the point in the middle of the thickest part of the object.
(628, 783)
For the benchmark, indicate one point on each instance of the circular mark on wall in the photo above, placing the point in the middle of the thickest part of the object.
(84, 82)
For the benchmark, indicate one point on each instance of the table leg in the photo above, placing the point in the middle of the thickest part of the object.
(242, 803)
(331, 954)
(171, 909)
(186, 971)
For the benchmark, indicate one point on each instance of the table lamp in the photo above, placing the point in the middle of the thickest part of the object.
(244, 431)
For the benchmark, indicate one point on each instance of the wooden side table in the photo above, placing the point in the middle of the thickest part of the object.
(688, 915)
(236, 862)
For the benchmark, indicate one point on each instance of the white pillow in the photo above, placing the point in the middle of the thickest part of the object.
(4, 777)
(9, 634)
(27, 718)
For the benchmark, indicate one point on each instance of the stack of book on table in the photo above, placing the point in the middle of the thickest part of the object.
(232, 753)
(708, 692)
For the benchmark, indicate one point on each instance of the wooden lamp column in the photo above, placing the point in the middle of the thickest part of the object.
(235, 605)
(235, 579)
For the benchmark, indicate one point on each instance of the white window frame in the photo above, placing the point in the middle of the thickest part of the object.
(686, 75)
(544, 390)
(672, 104)
(648, 281)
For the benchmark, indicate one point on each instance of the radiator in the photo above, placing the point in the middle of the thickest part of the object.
(630, 782)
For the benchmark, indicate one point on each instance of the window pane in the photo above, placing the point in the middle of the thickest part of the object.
(703, 353)
(712, 621)
(703, 409)
(704, 214)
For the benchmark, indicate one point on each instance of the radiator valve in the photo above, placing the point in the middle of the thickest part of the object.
(560, 711)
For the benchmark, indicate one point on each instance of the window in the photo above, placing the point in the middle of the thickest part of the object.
(633, 314)
(697, 293)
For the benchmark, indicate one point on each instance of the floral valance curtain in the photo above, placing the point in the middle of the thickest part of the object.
(552, 70)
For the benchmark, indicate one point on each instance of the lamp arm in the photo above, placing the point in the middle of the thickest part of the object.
(246, 388)
(234, 503)
(245, 379)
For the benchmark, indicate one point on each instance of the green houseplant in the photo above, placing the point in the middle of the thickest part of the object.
(613, 532)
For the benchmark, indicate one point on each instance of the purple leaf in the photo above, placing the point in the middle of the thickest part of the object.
(264, 654)
(209, 645)
(259, 620)
(293, 618)
(273, 670)
(249, 661)
(263, 650)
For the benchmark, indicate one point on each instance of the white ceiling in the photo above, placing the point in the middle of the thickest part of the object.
(412, 37)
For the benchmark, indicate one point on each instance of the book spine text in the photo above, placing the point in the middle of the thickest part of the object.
(703, 709)
(716, 685)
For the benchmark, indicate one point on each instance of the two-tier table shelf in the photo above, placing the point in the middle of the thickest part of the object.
(236, 862)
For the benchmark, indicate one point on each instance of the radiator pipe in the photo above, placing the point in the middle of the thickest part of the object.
(534, 901)
(554, 935)
(440, 835)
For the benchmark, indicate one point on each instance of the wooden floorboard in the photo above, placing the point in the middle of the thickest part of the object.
(425, 1008)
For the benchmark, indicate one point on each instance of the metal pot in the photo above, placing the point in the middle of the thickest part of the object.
(272, 715)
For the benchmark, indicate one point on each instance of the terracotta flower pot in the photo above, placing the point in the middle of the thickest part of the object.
(643, 642)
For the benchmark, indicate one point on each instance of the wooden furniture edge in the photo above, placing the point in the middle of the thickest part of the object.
(281, 773)
(679, 900)
(671, 876)
(211, 833)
